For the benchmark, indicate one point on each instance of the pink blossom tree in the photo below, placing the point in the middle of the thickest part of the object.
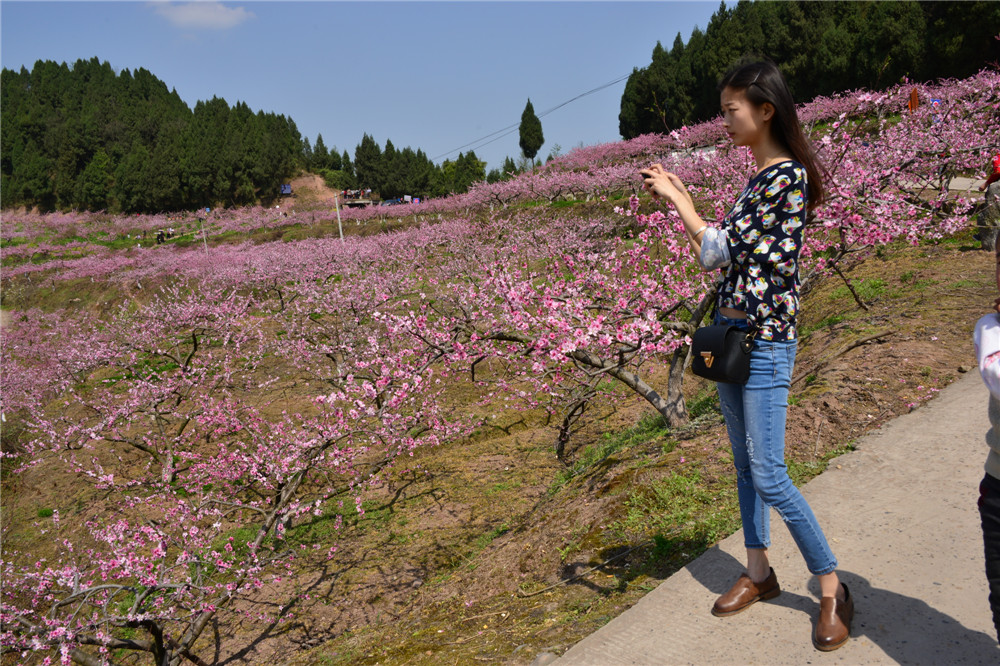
(198, 474)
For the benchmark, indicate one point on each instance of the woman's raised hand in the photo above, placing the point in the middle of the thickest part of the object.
(662, 183)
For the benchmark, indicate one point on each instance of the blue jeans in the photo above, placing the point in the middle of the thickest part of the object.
(755, 419)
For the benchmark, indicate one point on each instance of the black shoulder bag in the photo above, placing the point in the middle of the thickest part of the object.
(721, 352)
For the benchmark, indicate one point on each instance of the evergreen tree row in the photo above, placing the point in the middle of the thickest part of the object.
(391, 172)
(821, 47)
(84, 137)
(87, 138)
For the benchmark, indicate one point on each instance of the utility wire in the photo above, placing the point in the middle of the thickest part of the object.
(507, 131)
(589, 92)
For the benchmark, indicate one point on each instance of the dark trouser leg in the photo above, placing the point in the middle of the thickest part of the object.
(989, 513)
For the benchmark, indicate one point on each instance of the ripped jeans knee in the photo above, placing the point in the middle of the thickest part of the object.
(755, 415)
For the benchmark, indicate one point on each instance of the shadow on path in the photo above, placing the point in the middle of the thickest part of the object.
(907, 629)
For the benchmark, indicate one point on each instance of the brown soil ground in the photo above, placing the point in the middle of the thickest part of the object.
(485, 551)
(310, 188)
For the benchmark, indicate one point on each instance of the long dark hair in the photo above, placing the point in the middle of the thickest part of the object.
(763, 82)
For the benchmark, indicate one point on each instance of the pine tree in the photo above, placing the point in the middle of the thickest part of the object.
(390, 185)
(307, 152)
(93, 184)
(346, 165)
(320, 154)
(531, 132)
(509, 169)
(335, 162)
(368, 163)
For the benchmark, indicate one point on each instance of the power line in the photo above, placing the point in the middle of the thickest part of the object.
(589, 92)
(507, 131)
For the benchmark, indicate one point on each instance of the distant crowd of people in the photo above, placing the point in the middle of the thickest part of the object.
(163, 234)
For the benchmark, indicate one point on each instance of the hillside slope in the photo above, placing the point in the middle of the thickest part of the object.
(311, 188)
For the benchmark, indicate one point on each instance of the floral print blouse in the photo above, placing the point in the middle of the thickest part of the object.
(763, 231)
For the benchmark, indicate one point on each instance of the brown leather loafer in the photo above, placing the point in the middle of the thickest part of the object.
(744, 594)
(833, 627)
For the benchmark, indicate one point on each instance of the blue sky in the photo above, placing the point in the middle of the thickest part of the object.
(439, 76)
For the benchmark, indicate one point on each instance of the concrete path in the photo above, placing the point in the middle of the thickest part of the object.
(900, 513)
(967, 185)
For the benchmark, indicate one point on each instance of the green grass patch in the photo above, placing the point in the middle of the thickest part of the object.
(650, 428)
(706, 401)
(14, 242)
(484, 540)
(375, 514)
(240, 536)
(336, 514)
(827, 322)
(867, 289)
(501, 487)
(465, 556)
(802, 471)
(969, 284)
(956, 241)
(914, 283)
(121, 243)
(832, 320)
(681, 513)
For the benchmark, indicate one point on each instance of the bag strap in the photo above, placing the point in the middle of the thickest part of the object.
(747, 342)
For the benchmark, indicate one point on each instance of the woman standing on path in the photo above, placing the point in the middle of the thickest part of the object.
(757, 246)
(986, 337)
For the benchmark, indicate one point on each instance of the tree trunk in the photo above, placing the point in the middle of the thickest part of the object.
(570, 416)
(675, 385)
(675, 414)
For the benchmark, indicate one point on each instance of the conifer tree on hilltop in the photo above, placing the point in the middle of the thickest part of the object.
(368, 163)
(320, 154)
(531, 132)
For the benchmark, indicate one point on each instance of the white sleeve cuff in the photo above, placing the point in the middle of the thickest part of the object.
(987, 339)
(714, 249)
